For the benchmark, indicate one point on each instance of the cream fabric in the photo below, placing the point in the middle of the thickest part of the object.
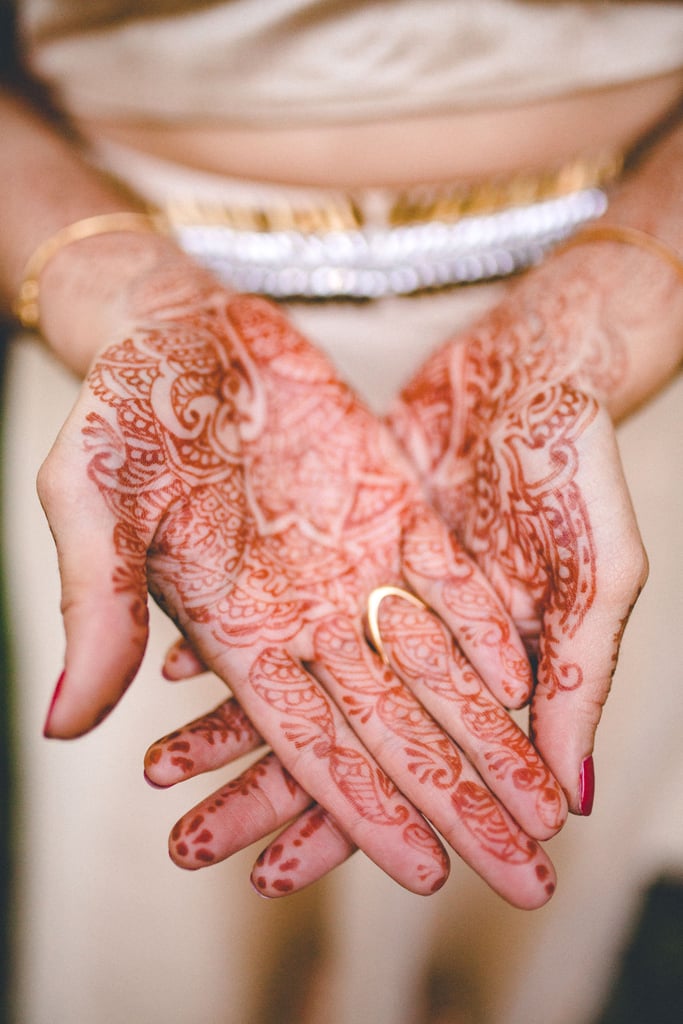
(293, 62)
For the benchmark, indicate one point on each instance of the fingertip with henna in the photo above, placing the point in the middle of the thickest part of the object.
(259, 892)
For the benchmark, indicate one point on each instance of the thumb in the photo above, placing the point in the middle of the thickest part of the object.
(599, 567)
(574, 679)
(104, 596)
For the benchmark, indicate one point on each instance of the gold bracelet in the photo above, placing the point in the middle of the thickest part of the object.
(26, 306)
(627, 236)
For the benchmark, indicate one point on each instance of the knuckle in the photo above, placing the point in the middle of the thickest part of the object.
(590, 708)
(643, 568)
(628, 576)
(49, 482)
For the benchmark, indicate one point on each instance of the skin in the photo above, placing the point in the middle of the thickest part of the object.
(87, 294)
(91, 295)
(454, 145)
(511, 427)
(260, 503)
(526, 470)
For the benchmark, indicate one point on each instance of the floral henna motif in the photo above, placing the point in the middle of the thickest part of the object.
(408, 733)
(522, 512)
(426, 658)
(209, 742)
(455, 589)
(473, 802)
(541, 458)
(497, 422)
(368, 790)
(256, 498)
(261, 503)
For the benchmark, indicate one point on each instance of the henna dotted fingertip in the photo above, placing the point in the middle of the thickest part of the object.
(204, 856)
(546, 877)
(438, 884)
(258, 885)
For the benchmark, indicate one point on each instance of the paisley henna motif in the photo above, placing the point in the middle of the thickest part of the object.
(496, 422)
(486, 821)
(424, 656)
(458, 590)
(256, 498)
(261, 503)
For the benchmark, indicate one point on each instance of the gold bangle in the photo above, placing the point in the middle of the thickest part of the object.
(626, 236)
(26, 306)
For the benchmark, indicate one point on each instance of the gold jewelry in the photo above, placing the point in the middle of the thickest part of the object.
(373, 242)
(26, 307)
(626, 236)
(415, 205)
(375, 599)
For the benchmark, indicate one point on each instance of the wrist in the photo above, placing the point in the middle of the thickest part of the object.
(87, 289)
(626, 326)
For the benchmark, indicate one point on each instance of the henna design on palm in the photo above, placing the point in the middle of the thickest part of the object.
(260, 502)
(250, 527)
(519, 457)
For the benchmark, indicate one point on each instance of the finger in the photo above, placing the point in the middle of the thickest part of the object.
(574, 678)
(310, 848)
(260, 800)
(421, 651)
(211, 741)
(598, 567)
(284, 702)
(303, 853)
(430, 769)
(104, 595)
(181, 662)
(316, 745)
(450, 583)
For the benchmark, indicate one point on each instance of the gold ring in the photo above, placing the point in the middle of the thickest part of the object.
(375, 599)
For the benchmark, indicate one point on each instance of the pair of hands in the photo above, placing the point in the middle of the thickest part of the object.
(215, 459)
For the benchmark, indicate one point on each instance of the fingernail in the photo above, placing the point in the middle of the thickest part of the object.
(586, 786)
(55, 696)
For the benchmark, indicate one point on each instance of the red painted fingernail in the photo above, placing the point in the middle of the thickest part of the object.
(586, 786)
(55, 696)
